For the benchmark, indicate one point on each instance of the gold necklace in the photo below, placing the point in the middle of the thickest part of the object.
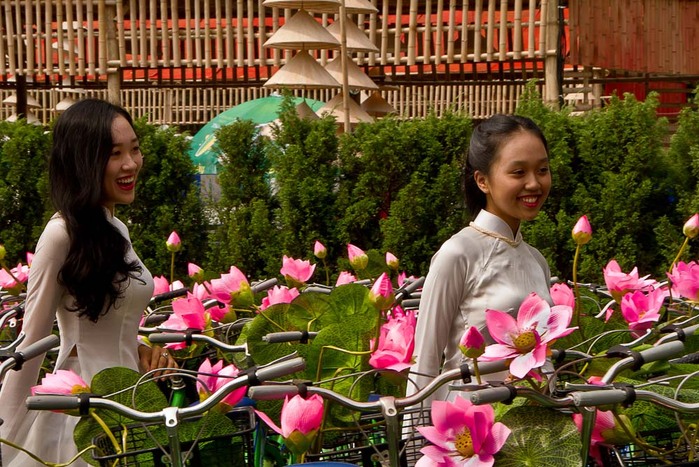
(490, 233)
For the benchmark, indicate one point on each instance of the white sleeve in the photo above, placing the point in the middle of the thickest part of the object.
(43, 296)
(442, 294)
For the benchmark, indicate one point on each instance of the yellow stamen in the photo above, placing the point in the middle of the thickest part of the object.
(525, 341)
(464, 443)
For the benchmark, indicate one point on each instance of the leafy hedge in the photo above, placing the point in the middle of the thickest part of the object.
(389, 186)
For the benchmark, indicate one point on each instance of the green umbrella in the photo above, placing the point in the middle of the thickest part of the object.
(203, 150)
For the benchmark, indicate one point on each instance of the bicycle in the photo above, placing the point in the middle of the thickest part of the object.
(170, 417)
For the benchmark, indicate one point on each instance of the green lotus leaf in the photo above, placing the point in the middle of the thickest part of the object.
(540, 438)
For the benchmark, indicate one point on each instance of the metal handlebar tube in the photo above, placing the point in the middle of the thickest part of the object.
(165, 296)
(16, 360)
(406, 289)
(189, 337)
(289, 336)
(636, 359)
(171, 416)
(261, 286)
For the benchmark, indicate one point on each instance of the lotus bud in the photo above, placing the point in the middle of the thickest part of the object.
(357, 258)
(582, 232)
(472, 343)
(381, 293)
(173, 243)
(691, 227)
(391, 261)
(319, 250)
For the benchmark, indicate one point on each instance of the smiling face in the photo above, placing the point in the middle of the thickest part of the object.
(125, 161)
(518, 181)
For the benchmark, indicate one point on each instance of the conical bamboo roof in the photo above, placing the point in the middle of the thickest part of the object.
(302, 72)
(302, 31)
(335, 107)
(352, 7)
(357, 40)
(355, 76)
(12, 100)
(376, 106)
(310, 5)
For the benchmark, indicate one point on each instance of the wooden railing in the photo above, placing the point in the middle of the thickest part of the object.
(199, 40)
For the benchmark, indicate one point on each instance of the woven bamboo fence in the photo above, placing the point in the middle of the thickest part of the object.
(182, 62)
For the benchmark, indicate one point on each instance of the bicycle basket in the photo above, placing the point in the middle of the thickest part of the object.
(219, 451)
(677, 451)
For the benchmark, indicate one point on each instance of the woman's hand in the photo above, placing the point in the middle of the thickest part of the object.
(152, 358)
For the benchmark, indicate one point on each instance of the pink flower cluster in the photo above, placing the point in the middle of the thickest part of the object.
(396, 342)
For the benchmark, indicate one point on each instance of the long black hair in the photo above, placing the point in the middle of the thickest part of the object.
(96, 269)
(487, 139)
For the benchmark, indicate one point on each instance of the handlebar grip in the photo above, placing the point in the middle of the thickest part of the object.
(406, 290)
(266, 393)
(411, 303)
(490, 395)
(280, 369)
(663, 351)
(288, 336)
(53, 402)
(161, 297)
(155, 319)
(264, 285)
(167, 337)
(39, 347)
(599, 397)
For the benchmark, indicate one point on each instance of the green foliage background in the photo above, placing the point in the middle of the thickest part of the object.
(391, 185)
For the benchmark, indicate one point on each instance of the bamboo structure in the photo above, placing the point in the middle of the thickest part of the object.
(182, 62)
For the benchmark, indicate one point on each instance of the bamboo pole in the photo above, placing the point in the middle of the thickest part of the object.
(439, 42)
(135, 50)
(29, 37)
(49, 38)
(239, 35)
(517, 45)
(531, 52)
(543, 26)
(121, 33)
(464, 32)
(165, 33)
(427, 40)
(262, 32)
(276, 54)
(384, 34)
(143, 48)
(372, 34)
(59, 35)
(412, 32)
(207, 34)
(188, 32)
(197, 34)
(40, 36)
(153, 33)
(452, 31)
(344, 58)
(219, 34)
(176, 55)
(477, 31)
(399, 31)
(490, 31)
(503, 31)
(230, 41)
(251, 34)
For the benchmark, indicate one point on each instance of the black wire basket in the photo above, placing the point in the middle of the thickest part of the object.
(367, 446)
(676, 452)
(227, 450)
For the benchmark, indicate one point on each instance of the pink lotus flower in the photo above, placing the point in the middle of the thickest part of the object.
(685, 280)
(463, 435)
(526, 339)
(61, 382)
(277, 295)
(161, 285)
(357, 257)
(20, 273)
(296, 271)
(641, 310)
(691, 227)
(300, 422)
(396, 342)
(606, 431)
(472, 343)
(381, 294)
(319, 250)
(212, 378)
(345, 278)
(561, 294)
(582, 232)
(188, 313)
(620, 283)
(195, 272)
(232, 288)
(391, 261)
(173, 243)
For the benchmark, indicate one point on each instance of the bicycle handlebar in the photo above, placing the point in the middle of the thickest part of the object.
(85, 401)
(635, 359)
(189, 337)
(288, 336)
(16, 360)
